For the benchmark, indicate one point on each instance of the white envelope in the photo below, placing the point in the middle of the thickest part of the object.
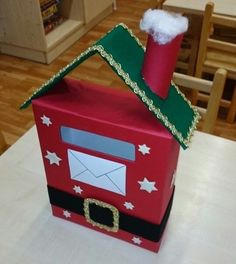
(98, 172)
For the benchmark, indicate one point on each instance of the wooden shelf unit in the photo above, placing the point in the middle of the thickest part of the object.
(22, 32)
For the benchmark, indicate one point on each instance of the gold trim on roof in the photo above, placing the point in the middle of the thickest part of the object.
(58, 74)
(149, 102)
(133, 85)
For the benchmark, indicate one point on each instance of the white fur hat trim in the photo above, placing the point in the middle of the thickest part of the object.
(162, 25)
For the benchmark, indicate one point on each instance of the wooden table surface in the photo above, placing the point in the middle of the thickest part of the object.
(223, 7)
(201, 228)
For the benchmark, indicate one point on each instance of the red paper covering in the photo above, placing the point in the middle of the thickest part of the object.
(123, 235)
(159, 64)
(115, 114)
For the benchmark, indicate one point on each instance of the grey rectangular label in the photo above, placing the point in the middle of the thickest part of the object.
(92, 141)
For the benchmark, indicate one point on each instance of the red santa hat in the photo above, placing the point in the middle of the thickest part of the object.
(165, 31)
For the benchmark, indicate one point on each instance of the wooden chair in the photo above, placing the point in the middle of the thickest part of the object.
(214, 54)
(189, 47)
(213, 88)
(3, 144)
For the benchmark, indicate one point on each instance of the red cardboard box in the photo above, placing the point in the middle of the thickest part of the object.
(110, 156)
(103, 144)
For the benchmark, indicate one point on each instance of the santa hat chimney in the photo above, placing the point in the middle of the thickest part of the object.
(165, 31)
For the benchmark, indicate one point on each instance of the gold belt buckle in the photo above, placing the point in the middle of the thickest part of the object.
(112, 208)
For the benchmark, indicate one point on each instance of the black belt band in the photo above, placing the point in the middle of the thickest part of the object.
(131, 224)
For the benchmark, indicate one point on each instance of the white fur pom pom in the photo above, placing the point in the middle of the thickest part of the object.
(162, 25)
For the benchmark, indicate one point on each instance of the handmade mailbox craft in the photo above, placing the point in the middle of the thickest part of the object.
(110, 156)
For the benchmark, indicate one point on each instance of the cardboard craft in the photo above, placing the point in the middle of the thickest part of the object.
(109, 148)
(110, 159)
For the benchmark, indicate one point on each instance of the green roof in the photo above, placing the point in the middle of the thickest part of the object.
(124, 53)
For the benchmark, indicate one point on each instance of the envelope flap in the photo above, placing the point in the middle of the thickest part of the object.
(75, 169)
(97, 166)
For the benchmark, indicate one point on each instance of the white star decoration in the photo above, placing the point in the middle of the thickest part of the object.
(148, 186)
(53, 158)
(144, 149)
(136, 240)
(77, 189)
(46, 120)
(129, 206)
(66, 214)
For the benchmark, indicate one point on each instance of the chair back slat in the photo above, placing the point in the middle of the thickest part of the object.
(223, 21)
(192, 82)
(221, 45)
(217, 50)
(213, 88)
